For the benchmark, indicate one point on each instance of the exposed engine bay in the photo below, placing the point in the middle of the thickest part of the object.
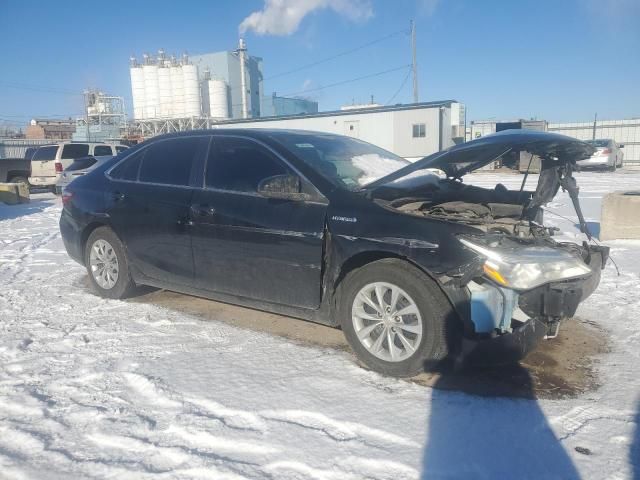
(497, 210)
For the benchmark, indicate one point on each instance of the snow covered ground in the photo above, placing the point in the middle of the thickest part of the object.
(93, 388)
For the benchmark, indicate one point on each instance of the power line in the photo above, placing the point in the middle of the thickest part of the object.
(343, 82)
(409, 70)
(337, 55)
(37, 88)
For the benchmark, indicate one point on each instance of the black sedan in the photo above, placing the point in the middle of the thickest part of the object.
(417, 268)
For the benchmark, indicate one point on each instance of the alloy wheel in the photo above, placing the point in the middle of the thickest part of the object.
(104, 264)
(387, 321)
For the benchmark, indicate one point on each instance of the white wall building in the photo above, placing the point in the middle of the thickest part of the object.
(411, 131)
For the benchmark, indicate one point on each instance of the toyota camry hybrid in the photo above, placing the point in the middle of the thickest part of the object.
(417, 268)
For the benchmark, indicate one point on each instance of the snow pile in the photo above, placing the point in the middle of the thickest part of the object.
(94, 388)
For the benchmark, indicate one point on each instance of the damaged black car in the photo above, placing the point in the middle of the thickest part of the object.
(416, 267)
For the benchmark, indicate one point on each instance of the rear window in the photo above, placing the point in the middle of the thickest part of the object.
(75, 150)
(169, 161)
(28, 154)
(100, 150)
(81, 164)
(45, 153)
(128, 169)
(599, 143)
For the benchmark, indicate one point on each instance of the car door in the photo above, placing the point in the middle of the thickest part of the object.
(148, 204)
(247, 245)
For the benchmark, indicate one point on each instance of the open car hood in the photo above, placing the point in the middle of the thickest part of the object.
(466, 157)
(559, 154)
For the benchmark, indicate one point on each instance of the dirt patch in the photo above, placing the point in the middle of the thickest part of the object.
(558, 368)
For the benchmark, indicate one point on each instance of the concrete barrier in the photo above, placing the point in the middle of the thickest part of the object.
(13, 193)
(620, 216)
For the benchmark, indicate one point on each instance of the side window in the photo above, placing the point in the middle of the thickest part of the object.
(75, 150)
(169, 161)
(120, 148)
(419, 130)
(239, 165)
(45, 153)
(102, 150)
(128, 169)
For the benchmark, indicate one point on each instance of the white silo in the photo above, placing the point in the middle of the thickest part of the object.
(177, 91)
(137, 89)
(152, 94)
(191, 89)
(164, 91)
(218, 99)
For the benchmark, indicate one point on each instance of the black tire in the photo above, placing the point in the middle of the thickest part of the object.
(124, 285)
(441, 327)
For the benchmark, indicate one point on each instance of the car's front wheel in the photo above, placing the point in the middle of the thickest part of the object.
(396, 318)
(107, 264)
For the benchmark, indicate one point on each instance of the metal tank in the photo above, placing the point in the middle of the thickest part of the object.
(218, 99)
(152, 93)
(137, 89)
(164, 90)
(177, 90)
(191, 89)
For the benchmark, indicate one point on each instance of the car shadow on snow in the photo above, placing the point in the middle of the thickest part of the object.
(485, 438)
(9, 212)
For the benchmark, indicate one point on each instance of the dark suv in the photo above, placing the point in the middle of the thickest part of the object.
(328, 228)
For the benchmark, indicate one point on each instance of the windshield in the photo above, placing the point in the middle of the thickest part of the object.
(599, 143)
(347, 161)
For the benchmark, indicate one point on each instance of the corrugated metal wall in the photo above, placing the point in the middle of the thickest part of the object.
(16, 147)
(625, 132)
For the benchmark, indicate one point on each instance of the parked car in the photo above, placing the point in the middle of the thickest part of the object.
(608, 154)
(331, 229)
(49, 161)
(79, 167)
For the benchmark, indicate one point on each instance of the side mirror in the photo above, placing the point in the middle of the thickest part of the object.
(621, 145)
(284, 187)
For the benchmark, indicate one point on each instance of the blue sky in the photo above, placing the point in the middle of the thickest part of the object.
(559, 60)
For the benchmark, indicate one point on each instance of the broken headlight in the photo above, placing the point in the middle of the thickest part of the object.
(523, 267)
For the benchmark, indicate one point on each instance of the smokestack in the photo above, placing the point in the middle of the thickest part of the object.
(242, 53)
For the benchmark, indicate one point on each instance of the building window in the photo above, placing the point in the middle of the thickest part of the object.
(419, 130)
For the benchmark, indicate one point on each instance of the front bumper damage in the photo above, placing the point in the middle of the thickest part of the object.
(503, 325)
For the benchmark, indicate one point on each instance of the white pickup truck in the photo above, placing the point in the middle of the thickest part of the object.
(49, 161)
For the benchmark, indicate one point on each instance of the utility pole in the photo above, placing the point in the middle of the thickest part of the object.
(414, 65)
(242, 51)
(595, 121)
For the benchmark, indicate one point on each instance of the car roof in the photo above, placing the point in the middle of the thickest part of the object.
(247, 132)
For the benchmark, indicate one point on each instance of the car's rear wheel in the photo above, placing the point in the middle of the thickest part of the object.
(396, 318)
(107, 264)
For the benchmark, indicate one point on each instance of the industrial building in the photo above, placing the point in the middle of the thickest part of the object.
(203, 88)
(47, 128)
(105, 118)
(623, 132)
(412, 131)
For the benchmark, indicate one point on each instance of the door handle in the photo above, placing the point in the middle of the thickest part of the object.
(117, 196)
(184, 222)
(202, 211)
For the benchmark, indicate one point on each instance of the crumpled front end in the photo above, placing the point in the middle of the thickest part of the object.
(509, 307)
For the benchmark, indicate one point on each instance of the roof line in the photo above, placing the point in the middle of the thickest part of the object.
(351, 111)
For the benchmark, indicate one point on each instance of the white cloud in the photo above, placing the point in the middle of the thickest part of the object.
(308, 83)
(282, 17)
